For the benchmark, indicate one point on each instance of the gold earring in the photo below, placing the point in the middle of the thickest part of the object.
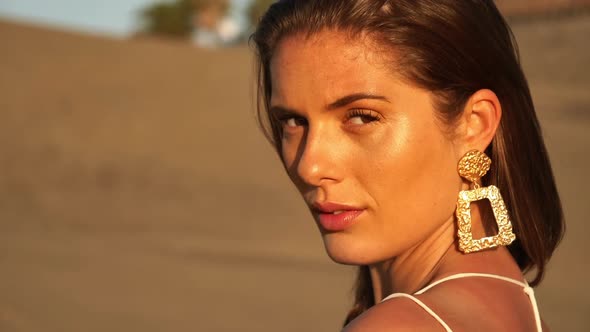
(473, 166)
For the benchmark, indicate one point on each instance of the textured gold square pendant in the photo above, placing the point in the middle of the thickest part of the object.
(505, 235)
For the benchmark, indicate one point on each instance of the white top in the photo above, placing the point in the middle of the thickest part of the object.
(526, 288)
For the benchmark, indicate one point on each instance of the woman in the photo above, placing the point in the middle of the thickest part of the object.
(384, 113)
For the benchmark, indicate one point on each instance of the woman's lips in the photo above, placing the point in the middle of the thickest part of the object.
(339, 220)
(336, 217)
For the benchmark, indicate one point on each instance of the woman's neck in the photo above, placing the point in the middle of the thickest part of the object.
(414, 268)
(437, 256)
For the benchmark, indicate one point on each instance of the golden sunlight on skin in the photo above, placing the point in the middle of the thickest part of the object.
(393, 161)
(358, 138)
(379, 173)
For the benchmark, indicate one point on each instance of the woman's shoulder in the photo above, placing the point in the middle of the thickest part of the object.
(463, 305)
(397, 314)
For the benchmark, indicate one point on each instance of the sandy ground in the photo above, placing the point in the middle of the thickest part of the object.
(136, 193)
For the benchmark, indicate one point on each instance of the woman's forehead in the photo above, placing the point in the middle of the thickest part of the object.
(328, 46)
(330, 62)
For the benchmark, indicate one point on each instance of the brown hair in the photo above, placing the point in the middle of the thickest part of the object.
(452, 48)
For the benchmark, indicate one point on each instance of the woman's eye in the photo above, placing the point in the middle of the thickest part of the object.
(293, 122)
(361, 117)
(359, 120)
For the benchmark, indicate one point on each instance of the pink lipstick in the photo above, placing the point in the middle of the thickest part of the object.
(336, 217)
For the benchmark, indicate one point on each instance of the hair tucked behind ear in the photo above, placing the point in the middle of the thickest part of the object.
(452, 48)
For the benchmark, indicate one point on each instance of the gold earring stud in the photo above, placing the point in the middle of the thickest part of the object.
(473, 166)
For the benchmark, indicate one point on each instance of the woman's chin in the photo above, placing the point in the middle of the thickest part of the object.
(346, 252)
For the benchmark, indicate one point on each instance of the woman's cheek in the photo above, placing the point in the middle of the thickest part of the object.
(289, 146)
(386, 142)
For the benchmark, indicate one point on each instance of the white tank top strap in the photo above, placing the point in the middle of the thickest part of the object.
(423, 305)
(468, 275)
(527, 289)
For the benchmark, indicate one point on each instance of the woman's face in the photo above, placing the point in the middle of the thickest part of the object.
(365, 149)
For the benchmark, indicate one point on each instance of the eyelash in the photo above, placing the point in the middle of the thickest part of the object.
(364, 114)
(283, 118)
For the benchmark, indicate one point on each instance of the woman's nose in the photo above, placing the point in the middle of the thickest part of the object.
(317, 158)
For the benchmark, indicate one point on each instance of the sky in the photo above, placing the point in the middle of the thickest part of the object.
(109, 17)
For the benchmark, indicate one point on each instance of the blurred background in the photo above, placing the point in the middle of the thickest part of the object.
(137, 194)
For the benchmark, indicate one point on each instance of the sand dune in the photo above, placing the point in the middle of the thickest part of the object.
(136, 193)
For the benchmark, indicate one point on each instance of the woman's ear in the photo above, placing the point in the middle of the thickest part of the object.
(480, 120)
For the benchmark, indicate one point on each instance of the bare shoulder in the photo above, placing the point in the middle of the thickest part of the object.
(497, 306)
(399, 314)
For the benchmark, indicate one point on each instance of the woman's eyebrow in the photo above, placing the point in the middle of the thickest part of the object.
(277, 109)
(341, 102)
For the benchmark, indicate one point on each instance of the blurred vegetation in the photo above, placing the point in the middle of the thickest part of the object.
(172, 19)
(179, 18)
(176, 18)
